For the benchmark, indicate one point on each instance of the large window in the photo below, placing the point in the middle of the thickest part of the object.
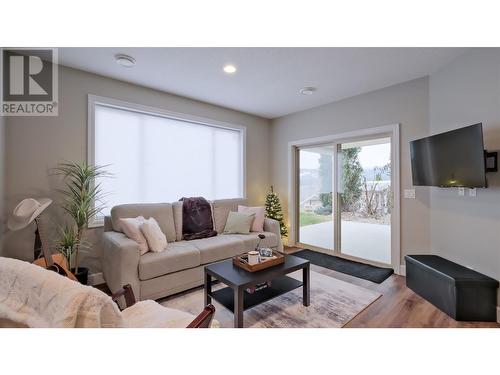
(155, 156)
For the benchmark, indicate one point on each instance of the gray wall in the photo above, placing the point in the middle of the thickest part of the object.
(406, 104)
(2, 179)
(466, 91)
(36, 144)
(467, 229)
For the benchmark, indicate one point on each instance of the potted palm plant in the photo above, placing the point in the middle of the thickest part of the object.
(83, 202)
(66, 243)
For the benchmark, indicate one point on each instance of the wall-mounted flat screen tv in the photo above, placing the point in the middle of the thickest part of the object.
(452, 159)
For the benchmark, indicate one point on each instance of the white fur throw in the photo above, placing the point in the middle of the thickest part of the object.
(31, 296)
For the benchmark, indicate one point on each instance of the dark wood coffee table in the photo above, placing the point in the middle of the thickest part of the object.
(235, 298)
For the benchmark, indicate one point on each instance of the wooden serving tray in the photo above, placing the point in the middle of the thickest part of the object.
(240, 261)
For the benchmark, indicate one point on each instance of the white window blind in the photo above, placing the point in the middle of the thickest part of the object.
(158, 159)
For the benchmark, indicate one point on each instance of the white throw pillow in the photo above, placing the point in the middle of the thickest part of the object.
(132, 229)
(157, 241)
(260, 214)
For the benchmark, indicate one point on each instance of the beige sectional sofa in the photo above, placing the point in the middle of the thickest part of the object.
(180, 266)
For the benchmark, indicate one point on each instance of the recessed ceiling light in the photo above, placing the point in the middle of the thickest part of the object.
(229, 68)
(307, 90)
(125, 60)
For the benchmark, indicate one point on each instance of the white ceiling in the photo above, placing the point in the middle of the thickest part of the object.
(268, 79)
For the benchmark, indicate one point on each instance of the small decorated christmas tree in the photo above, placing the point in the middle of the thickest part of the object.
(273, 211)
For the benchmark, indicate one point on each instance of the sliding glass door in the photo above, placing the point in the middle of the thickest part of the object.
(344, 198)
(315, 204)
(365, 199)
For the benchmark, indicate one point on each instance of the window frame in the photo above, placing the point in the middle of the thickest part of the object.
(94, 100)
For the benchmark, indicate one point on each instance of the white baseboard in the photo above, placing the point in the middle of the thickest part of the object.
(402, 270)
(95, 279)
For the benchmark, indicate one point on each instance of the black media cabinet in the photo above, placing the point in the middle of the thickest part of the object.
(460, 292)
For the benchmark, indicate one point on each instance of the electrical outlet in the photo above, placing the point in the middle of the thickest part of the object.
(472, 192)
(410, 193)
(461, 191)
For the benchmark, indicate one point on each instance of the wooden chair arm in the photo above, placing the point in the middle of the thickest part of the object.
(126, 292)
(204, 319)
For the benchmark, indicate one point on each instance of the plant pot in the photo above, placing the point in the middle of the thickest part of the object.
(82, 275)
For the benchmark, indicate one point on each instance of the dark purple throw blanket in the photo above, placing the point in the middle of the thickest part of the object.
(196, 219)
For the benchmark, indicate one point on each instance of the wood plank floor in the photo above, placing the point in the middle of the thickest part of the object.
(398, 306)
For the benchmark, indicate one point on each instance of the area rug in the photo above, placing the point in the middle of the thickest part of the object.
(333, 304)
(349, 267)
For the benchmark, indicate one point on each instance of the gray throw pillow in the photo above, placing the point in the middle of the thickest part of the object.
(238, 222)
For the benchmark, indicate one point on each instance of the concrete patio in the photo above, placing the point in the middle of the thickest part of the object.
(362, 240)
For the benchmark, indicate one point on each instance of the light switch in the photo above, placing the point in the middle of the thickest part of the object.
(461, 191)
(472, 192)
(409, 193)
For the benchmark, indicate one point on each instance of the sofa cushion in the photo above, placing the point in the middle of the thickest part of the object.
(131, 226)
(150, 314)
(260, 216)
(251, 240)
(220, 211)
(239, 222)
(162, 212)
(178, 256)
(157, 241)
(218, 248)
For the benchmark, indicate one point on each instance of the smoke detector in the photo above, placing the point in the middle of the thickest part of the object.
(125, 60)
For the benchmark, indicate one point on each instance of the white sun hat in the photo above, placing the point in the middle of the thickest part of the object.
(27, 211)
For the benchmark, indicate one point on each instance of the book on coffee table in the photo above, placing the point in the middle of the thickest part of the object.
(258, 287)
